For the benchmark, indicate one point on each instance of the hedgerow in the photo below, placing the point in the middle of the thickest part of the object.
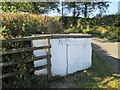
(22, 24)
(104, 27)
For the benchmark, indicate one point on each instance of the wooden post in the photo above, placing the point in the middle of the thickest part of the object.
(31, 63)
(48, 59)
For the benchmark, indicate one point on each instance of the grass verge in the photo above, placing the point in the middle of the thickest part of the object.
(98, 76)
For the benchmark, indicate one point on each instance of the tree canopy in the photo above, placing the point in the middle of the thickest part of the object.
(77, 8)
(86, 8)
(30, 7)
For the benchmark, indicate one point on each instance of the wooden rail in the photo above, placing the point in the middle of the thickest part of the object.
(25, 61)
(45, 36)
(41, 67)
(7, 75)
(48, 59)
(25, 49)
(47, 47)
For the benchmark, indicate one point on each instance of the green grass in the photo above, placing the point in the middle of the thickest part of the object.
(98, 76)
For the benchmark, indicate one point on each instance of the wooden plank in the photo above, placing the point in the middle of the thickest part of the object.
(41, 67)
(7, 64)
(13, 73)
(48, 59)
(7, 75)
(25, 61)
(44, 36)
(37, 58)
(23, 49)
(28, 38)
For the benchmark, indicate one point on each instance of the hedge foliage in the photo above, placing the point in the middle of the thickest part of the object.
(104, 27)
(22, 24)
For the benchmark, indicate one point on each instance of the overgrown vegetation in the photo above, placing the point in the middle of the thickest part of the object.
(25, 24)
(29, 7)
(21, 24)
(104, 27)
(76, 8)
(98, 76)
(18, 24)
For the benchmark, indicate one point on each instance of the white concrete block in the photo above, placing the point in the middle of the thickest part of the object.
(37, 63)
(58, 59)
(68, 55)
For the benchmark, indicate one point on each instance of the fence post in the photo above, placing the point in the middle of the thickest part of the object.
(48, 58)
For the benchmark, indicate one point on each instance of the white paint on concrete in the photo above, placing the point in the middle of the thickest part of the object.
(68, 55)
(78, 58)
(58, 57)
(39, 42)
(37, 63)
(41, 72)
(40, 62)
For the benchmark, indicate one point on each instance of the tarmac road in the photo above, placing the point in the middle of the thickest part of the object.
(109, 51)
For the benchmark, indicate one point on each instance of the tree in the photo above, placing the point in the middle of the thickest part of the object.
(61, 7)
(30, 7)
(86, 8)
(73, 7)
(90, 7)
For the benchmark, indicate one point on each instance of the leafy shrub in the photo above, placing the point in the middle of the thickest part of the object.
(22, 24)
(103, 27)
(19, 25)
(85, 31)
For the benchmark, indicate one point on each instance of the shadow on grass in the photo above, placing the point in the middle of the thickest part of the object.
(111, 61)
(100, 75)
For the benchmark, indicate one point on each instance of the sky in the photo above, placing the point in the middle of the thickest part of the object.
(113, 9)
